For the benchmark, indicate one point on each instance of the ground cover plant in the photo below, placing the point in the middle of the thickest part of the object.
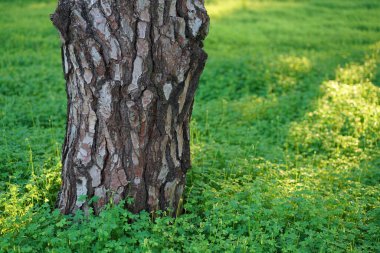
(285, 136)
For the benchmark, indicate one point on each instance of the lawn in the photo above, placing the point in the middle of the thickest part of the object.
(285, 136)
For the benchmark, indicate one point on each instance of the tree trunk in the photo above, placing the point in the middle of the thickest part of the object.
(131, 68)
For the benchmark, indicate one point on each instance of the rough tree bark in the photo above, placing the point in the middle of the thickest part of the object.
(131, 69)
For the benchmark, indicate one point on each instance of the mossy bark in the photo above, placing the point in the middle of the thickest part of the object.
(131, 70)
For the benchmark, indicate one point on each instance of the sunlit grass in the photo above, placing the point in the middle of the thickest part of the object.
(218, 9)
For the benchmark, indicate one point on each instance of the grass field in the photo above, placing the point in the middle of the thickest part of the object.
(285, 136)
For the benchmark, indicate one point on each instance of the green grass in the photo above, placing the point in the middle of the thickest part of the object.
(285, 136)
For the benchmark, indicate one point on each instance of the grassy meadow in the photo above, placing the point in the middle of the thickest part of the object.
(285, 136)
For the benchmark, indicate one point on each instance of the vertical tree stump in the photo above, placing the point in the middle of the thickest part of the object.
(131, 69)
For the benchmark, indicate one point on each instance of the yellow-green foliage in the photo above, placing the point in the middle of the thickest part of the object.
(288, 70)
(346, 121)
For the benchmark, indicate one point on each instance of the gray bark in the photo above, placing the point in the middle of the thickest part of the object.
(131, 70)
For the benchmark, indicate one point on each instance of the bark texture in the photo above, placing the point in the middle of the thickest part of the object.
(131, 68)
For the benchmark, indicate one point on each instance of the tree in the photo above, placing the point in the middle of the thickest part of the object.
(131, 70)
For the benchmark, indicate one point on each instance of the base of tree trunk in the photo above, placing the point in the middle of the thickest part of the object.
(131, 68)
